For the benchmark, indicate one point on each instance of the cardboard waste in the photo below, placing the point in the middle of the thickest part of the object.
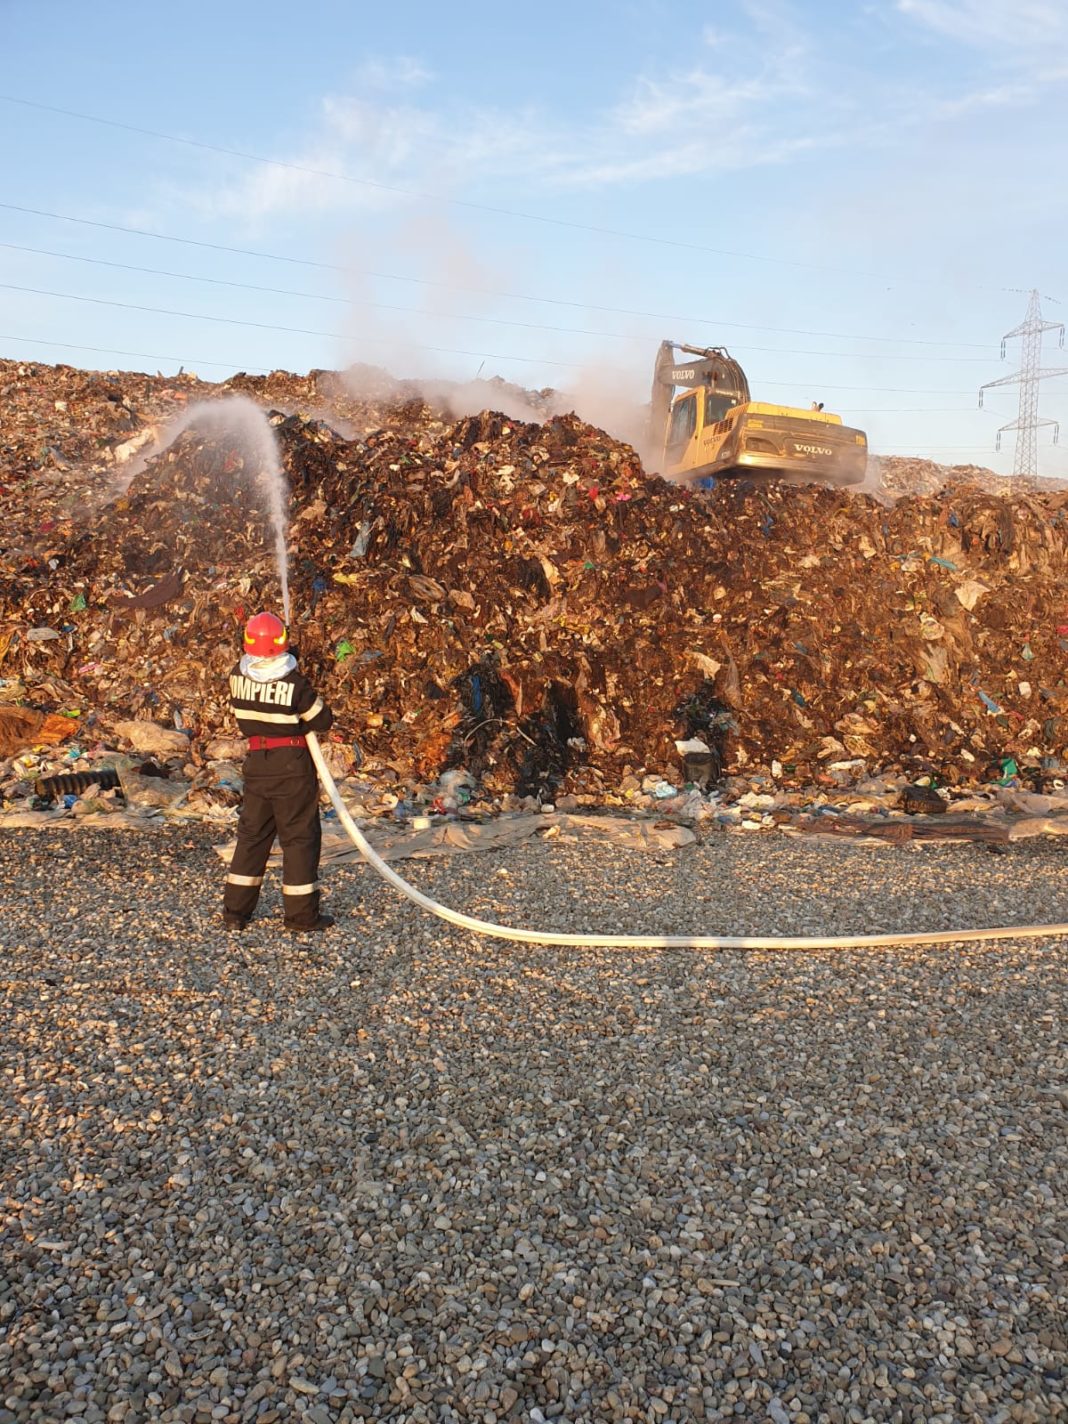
(517, 600)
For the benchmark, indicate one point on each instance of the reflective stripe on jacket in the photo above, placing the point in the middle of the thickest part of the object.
(286, 706)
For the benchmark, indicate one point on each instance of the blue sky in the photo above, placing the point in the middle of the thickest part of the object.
(845, 194)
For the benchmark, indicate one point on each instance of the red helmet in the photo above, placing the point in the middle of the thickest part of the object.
(265, 636)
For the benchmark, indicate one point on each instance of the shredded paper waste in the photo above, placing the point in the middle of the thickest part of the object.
(512, 614)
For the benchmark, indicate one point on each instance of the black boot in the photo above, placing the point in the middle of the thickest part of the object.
(303, 914)
(321, 922)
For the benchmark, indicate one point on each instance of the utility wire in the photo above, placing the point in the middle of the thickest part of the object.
(193, 361)
(466, 203)
(481, 291)
(460, 316)
(141, 355)
(938, 450)
(344, 301)
(149, 356)
(271, 326)
(916, 410)
(420, 346)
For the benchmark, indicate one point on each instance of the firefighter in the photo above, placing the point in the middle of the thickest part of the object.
(275, 705)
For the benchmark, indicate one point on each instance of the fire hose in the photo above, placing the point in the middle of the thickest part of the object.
(620, 941)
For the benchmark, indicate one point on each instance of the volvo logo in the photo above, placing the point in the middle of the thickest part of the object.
(812, 449)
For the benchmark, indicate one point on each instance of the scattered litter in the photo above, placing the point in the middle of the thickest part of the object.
(519, 600)
(151, 738)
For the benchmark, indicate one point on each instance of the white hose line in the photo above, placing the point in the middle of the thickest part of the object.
(615, 941)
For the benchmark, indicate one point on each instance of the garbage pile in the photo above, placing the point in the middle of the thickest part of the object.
(893, 476)
(61, 431)
(521, 603)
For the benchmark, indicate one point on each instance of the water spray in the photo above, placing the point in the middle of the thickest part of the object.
(240, 419)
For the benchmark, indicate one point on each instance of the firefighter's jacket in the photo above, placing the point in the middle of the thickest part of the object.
(270, 697)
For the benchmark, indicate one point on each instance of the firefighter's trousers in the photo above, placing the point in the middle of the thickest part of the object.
(281, 798)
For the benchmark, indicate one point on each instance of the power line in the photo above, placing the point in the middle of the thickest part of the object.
(345, 301)
(270, 326)
(472, 206)
(265, 370)
(141, 355)
(454, 316)
(907, 410)
(936, 450)
(480, 291)
(419, 346)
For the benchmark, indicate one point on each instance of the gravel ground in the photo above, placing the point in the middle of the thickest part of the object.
(398, 1173)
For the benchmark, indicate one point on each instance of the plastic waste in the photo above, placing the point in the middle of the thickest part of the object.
(152, 792)
(151, 738)
(456, 780)
(601, 603)
(1005, 771)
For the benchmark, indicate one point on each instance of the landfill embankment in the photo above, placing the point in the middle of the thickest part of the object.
(405, 1175)
(516, 601)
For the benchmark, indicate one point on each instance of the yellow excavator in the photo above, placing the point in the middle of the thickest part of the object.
(711, 429)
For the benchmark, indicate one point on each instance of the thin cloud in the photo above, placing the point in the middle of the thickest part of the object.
(759, 96)
(1001, 96)
(360, 142)
(1025, 24)
(699, 97)
(746, 151)
(401, 71)
(396, 128)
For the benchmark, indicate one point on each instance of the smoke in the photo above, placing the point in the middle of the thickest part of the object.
(454, 318)
(613, 400)
(422, 302)
(608, 402)
(872, 483)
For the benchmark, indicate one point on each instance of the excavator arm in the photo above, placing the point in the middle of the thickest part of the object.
(714, 369)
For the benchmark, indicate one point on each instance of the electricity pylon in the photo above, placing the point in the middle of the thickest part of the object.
(1028, 378)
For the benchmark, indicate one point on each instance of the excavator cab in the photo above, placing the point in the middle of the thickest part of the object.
(712, 428)
(682, 427)
(704, 408)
